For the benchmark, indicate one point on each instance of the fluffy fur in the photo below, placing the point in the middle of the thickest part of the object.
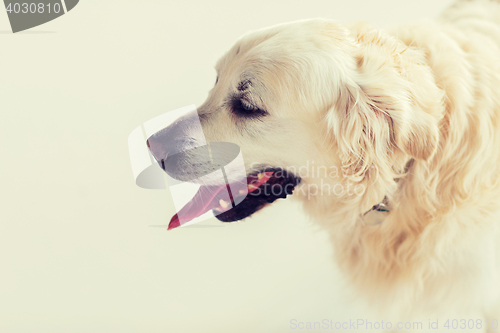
(411, 115)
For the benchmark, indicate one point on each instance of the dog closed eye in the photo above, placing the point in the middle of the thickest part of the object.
(243, 108)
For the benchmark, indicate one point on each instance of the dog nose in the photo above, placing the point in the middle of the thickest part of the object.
(175, 138)
(174, 145)
(158, 146)
(182, 142)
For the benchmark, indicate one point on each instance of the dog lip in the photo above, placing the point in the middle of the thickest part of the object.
(257, 200)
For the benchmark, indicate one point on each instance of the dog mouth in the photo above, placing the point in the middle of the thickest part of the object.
(262, 188)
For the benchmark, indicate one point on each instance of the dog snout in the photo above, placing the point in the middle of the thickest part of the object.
(182, 134)
(158, 147)
(171, 150)
(180, 147)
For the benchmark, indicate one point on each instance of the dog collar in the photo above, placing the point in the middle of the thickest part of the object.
(378, 213)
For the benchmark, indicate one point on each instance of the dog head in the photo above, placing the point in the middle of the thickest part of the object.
(315, 102)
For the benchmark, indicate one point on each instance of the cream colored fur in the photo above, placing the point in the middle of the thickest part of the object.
(411, 114)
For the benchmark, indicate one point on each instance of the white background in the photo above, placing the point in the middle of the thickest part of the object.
(77, 250)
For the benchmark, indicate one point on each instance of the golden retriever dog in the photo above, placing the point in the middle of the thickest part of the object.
(391, 141)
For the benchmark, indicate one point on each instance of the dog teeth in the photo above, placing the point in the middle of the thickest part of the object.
(260, 175)
(223, 204)
(251, 187)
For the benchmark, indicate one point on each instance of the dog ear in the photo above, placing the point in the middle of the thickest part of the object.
(362, 131)
(392, 102)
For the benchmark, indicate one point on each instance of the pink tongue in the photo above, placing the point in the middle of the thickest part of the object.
(208, 198)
